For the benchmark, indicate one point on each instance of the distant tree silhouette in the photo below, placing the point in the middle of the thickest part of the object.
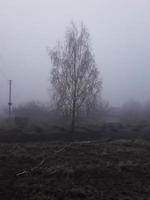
(74, 76)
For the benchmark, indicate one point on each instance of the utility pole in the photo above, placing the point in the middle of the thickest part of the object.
(10, 98)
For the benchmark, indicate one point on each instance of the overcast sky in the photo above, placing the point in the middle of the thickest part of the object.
(120, 38)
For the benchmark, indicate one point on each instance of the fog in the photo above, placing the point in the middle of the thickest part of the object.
(120, 38)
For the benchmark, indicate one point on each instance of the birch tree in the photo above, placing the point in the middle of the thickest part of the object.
(74, 76)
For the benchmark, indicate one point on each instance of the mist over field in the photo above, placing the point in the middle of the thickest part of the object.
(120, 39)
(74, 99)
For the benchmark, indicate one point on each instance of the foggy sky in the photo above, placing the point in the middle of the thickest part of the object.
(120, 38)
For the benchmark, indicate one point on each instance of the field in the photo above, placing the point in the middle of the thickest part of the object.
(111, 167)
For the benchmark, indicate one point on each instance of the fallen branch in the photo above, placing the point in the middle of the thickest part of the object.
(30, 171)
(22, 173)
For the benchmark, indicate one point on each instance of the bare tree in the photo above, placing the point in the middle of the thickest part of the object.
(74, 76)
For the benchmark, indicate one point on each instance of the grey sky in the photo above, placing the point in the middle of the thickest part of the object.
(120, 35)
